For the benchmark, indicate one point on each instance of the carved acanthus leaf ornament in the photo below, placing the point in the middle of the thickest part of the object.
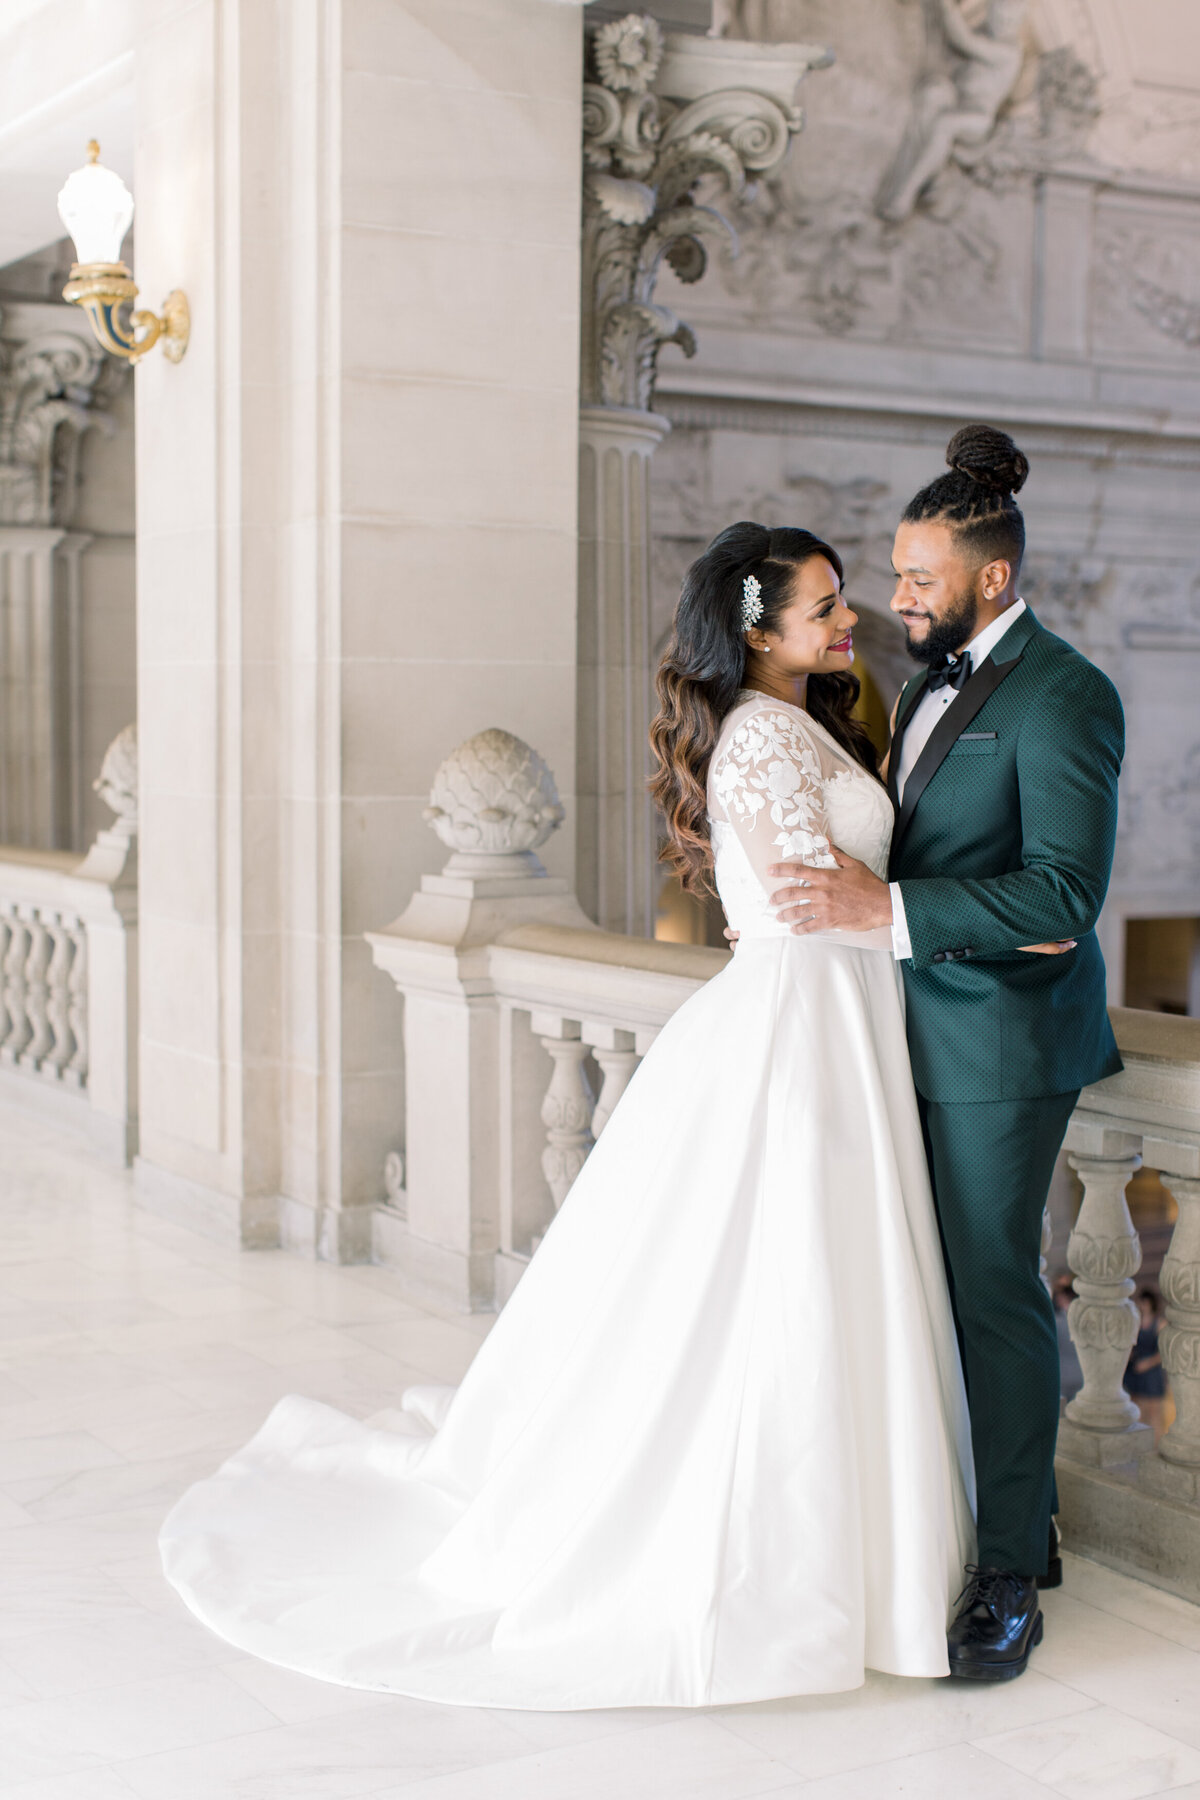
(645, 158)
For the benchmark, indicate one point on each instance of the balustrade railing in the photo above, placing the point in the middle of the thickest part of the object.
(1149, 1114)
(593, 1002)
(39, 948)
(68, 979)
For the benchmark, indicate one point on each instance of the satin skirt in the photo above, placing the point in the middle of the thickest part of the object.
(715, 1448)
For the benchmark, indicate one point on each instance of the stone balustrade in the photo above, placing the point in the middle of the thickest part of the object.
(523, 1025)
(1133, 1504)
(68, 985)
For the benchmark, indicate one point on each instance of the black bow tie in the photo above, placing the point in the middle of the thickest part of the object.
(950, 671)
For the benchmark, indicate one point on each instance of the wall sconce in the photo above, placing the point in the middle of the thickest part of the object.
(97, 209)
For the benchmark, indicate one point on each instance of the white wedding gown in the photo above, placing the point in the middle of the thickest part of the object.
(716, 1447)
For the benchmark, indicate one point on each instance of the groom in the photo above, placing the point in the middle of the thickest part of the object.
(1003, 772)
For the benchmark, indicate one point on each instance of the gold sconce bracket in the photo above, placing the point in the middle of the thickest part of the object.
(104, 289)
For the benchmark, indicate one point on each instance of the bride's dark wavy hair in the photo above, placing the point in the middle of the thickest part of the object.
(705, 665)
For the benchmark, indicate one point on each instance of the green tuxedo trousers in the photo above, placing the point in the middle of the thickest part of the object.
(992, 1162)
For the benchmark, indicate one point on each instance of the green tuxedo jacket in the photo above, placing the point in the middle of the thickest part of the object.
(1005, 837)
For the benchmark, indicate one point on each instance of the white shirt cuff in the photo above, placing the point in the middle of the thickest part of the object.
(901, 942)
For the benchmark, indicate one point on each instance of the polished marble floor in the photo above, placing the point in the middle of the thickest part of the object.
(133, 1356)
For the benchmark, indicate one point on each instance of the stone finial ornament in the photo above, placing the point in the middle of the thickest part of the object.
(494, 796)
(117, 782)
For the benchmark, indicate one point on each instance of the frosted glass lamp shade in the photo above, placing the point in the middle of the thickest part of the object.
(97, 209)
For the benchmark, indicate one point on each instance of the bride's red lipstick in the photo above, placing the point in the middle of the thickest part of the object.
(846, 643)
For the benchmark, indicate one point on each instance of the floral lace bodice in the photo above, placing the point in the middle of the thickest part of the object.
(780, 788)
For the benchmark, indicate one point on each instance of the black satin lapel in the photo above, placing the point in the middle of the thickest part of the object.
(915, 689)
(947, 731)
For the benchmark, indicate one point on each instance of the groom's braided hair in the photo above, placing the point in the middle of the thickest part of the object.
(703, 668)
(977, 497)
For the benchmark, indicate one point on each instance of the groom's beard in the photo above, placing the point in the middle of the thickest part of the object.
(947, 634)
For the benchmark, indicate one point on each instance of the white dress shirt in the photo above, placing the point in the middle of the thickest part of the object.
(926, 713)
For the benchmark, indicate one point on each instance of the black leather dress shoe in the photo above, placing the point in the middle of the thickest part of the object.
(1053, 1576)
(998, 1623)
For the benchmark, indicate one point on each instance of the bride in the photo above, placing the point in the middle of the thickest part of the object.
(715, 1448)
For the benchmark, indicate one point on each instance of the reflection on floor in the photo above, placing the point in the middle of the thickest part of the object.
(133, 1356)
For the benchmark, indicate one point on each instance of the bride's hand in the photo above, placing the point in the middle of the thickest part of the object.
(1057, 949)
(732, 935)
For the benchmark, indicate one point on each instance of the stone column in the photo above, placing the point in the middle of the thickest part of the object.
(616, 851)
(49, 368)
(659, 115)
(356, 546)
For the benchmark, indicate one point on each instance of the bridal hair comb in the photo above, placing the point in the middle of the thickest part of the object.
(752, 605)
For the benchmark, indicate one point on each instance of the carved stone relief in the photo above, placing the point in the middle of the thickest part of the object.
(1146, 285)
(49, 382)
(958, 99)
(719, 121)
(1070, 595)
(841, 242)
(1158, 826)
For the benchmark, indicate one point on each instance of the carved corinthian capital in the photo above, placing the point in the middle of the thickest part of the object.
(660, 114)
(47, 383)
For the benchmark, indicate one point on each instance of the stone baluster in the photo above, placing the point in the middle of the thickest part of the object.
(20, 1030)
(616, 1054)
(1180, 1341)
(58, 1004)
(76, 1070)
(1044, 1256)
(37, 994)
(568, 1105)
(1104, 1254)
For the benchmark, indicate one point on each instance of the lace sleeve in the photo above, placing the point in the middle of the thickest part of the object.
(767, 782)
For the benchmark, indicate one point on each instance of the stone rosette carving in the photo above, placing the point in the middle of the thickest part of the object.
(117, 782)
(724, 115)
(48, 383)
(494, 796)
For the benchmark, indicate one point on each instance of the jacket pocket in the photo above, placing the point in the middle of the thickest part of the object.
(978, 744)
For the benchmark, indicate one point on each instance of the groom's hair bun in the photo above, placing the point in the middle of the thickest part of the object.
(976, 498)
(989, 457)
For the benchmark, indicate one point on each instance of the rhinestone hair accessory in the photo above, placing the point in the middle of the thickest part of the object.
(752, 605)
